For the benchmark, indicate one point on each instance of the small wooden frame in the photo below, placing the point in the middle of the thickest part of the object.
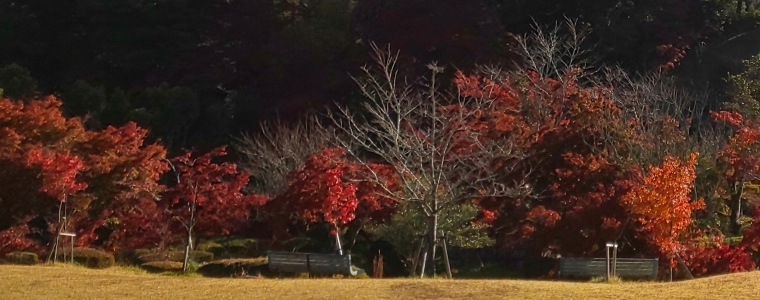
(421, 251)
(73, 237)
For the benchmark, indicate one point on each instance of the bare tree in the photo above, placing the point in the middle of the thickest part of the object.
(665, 117)
(551, 52)
(278, 149)
(423, 133)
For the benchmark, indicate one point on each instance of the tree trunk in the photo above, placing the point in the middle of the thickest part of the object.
(736, 206)
(188, 246)
(54, 253)
(353, 235)
(338, 244)
(432, 232)
(377, 266)
(415, 260)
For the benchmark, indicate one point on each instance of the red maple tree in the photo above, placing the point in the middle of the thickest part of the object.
(46, 155)
(328, 188)
(741, 158)
(207, 198)
(573, 162)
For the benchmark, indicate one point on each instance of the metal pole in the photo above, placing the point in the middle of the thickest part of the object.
(607, 262)
(446, 255)
(614, 259)
(672, 242)
(680, 261)
(424, 260)
(72, 249)
(416, 261)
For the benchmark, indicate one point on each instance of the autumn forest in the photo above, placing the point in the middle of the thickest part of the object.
(521, 131)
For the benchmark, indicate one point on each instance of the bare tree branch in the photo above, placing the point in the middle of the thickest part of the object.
(425, 133)
(554, 51)
(278, 149)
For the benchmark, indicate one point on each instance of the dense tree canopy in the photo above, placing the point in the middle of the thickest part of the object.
(637, 122)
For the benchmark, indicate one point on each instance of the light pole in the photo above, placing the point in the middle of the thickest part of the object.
(611, 267)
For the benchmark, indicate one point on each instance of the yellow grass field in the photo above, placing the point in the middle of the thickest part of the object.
(69, 282)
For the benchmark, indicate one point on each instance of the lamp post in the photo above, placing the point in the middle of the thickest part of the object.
(611, 267)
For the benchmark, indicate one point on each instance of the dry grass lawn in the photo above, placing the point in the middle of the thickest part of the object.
(69, 282)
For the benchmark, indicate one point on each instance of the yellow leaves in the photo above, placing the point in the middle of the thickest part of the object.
(661, 203)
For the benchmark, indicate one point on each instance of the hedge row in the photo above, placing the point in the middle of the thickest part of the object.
(91, 258)
(162, 266)
(22, 258)
(236, 267)
(175, 256)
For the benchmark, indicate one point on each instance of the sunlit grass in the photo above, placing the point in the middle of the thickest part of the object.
(71, 282)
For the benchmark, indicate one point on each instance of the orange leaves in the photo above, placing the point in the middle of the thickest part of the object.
(733, 118)
(661, 202)
(543, 216)
(478, 87)
(39, 122)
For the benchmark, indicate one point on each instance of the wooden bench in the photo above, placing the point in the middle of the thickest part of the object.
(625, 267)
(312, 263)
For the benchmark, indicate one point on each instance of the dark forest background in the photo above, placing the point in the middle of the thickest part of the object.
(196, 72)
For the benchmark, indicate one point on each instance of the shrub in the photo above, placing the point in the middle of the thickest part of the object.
(230, 247)
(236, 267)
(176, 256)
(140, 252)
(711, 259)
(486, 271)
(162, 266)
(22, 258)
(153, 257)
(241, 247)
(213, 247)
(134, 258)
(93, 258)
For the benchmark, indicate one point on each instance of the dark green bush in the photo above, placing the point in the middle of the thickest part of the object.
(242, 247)
(93, 258)
(140, 252)
(22, 258)
(213, 247)
(162, 266)
(176, 256)
(232, 247)
(236, 267)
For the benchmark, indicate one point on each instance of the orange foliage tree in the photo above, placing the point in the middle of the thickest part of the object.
(660, 202)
